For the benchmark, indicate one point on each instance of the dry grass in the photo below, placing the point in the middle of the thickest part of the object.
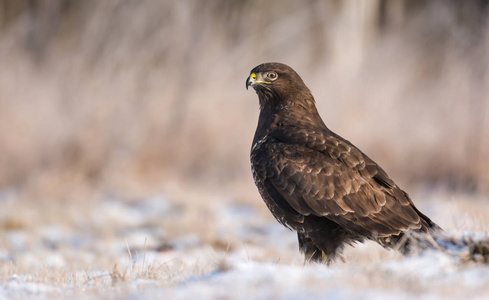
(101, 93)
(161, 246)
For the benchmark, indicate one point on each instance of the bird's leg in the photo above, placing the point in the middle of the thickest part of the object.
(324, 257)
(308, 257)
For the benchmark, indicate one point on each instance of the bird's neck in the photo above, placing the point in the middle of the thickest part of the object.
(303, 112)
(300, 114)
(267, 117)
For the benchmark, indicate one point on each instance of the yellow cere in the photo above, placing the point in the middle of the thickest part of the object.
(253, 76)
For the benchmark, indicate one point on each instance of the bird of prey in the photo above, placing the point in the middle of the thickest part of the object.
(318, 183)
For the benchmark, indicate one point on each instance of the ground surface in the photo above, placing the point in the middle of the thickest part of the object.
(158, 248)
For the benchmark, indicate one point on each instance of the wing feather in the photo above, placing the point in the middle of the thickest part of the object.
(324, 175)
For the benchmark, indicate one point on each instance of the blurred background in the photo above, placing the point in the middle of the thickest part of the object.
(135, 98)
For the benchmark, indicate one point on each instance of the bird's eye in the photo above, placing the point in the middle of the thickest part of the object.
(272, 75)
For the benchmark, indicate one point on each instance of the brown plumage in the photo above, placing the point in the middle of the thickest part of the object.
(316, 182)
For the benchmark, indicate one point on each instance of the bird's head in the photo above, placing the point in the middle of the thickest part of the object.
(276, 83)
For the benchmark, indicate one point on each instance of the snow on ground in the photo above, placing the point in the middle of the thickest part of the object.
(157, 248)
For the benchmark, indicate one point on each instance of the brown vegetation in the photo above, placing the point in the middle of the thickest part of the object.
(103, 92)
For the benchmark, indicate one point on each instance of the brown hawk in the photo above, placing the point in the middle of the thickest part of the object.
(318, 183)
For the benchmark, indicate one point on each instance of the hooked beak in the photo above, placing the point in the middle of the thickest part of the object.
(252, 80)
(248, 82)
